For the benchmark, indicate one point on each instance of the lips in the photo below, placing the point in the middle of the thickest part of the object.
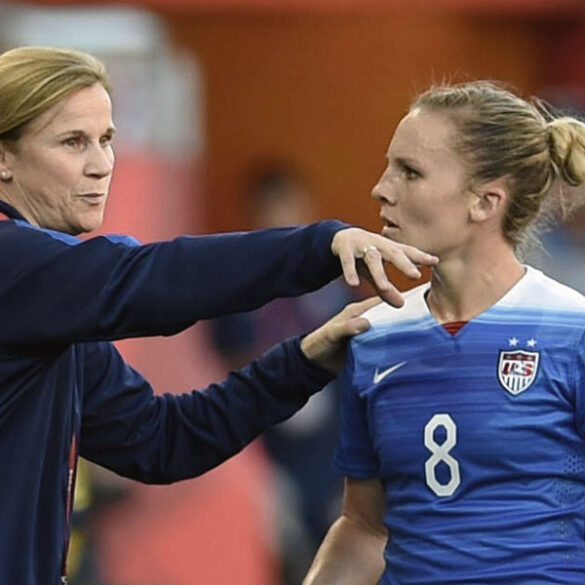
(93, 200)
(389, 223)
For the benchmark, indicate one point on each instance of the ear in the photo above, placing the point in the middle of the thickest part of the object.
(489, 201)
(5, 170)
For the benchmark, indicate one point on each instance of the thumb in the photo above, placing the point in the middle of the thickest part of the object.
(357, 309)
(358, 325)
(353, 322)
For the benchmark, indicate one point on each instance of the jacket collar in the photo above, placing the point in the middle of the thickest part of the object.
(10, 211)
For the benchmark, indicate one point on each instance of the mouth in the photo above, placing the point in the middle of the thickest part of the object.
(92, 198)
(390, 229)
(389, 224)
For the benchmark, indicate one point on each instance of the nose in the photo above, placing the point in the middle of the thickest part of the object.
(383, 190)
(100, 162)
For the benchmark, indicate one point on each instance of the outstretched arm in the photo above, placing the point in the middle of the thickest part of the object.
(108, 288)
(111, 288)
(160, 439)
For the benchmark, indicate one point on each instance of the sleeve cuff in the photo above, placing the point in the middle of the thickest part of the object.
(298, 378)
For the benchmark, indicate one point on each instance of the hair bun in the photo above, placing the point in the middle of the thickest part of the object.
(567, 149)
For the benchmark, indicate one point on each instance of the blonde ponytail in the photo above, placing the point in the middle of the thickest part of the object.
(567, 149)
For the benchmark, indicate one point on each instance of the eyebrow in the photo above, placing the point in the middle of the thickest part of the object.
(405, 161)
(79, 133)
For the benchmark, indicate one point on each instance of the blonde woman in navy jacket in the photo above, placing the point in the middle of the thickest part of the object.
(64, 389)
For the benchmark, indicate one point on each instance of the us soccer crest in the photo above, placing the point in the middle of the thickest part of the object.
(517, 369)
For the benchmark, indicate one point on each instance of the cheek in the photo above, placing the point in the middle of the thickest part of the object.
(62, 175)
(434, 208)
(44, 172)
(421, 206)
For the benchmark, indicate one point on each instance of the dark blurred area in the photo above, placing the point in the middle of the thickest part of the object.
(308, 492)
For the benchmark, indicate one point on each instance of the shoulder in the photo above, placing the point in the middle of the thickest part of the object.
(17, 230)
(540, 300)
(19, 233)
(537, 291)
(414, 309)
(24, 247)
(386, 320)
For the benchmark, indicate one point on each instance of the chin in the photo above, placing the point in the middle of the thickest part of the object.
(397, 236)
(91, 222)
(420, 244)
(82, 227)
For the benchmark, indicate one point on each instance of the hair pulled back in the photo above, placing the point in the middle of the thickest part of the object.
(502, 135)
(33, 79)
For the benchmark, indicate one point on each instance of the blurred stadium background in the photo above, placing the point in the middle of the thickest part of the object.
(203, 88)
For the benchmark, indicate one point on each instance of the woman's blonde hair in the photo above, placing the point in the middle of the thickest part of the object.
(33, 79)
(502, 135)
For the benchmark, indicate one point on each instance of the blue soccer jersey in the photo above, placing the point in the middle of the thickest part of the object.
(478, 438)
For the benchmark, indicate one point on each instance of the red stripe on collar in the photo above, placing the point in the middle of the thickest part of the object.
(454, 326)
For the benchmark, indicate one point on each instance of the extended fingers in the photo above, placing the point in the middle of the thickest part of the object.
(357, 245)
(347, 258)
(373, 259)
(373, 250)
(414, 254)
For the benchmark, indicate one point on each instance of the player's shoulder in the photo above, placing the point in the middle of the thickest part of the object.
(537, 298)
(541, 292)
(398, 327)
(413, 310)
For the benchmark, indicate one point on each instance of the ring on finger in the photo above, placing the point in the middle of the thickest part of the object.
(368, 248)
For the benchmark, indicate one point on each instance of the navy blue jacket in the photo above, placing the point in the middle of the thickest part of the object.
(65, 390)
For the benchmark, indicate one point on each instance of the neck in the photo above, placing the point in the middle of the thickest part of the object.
(465, 286)
(7, 195)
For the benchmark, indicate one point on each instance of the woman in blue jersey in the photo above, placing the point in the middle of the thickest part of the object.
(463, 433)
(64, 389)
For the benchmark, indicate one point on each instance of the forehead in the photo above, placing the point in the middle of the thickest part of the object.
(423, 133)
(88, 109)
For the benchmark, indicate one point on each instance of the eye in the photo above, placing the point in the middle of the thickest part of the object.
(107, 139)
(74, 142)
(409, 173)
